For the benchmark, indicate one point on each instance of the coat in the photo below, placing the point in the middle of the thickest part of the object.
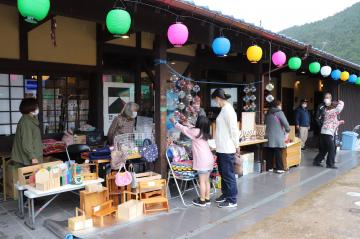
(276, 128)
(120, 125)
(302, 117)
(27, 142)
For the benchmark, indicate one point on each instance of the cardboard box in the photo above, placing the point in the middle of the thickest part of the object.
(247, 159)
(130, 210)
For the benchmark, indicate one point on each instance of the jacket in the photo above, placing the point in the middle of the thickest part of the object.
(27, 142)
(120, 125)
(331, 120)
(320, 112)
(276, 128)
(302, 117)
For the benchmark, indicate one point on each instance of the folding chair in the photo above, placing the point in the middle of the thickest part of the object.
(172, 175)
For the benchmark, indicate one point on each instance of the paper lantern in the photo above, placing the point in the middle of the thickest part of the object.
(335, 74)
(325, 71)
(279, 58)
(344, 76)
(34, 10)
(221, 46)
(254, 53)
(314, 67)
(294, 63)
(352, 78)
(178, 34)
(358, 81)
(118, 22)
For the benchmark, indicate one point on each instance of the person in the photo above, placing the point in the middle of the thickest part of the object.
(277, 129)
(27, 147)
(123, 123)
(227, 144)
(302, 122)
(329, 127)
(203, 159)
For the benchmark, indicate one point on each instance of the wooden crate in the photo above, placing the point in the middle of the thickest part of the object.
(90, 199)
(147, 176)
(24, 173)
(130, 210)
(11, 179)
(292, 154)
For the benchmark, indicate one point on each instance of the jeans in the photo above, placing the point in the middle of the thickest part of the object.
(228, 180)
(277, 154)
(327, 146)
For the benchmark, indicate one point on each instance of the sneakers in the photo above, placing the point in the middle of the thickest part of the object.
(227, 204)
(220, 199)
(280, 171)
(198, 202)
(332, 167)
(208, 202)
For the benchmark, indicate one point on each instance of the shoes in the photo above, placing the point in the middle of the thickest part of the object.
(271, 170)
(220, 199)
(333, 167)
(280, 171)
(208, 202)
(198, 202)
(227, 204)
(317, 165)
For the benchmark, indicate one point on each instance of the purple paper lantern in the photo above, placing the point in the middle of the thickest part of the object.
(178, 34)
(279, 58)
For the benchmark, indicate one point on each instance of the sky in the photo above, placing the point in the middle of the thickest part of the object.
(276, 15)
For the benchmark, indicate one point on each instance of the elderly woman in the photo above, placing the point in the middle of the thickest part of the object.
(124, 122)
(27, 148)
(277, 128)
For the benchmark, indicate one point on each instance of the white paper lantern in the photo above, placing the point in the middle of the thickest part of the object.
(325, 71)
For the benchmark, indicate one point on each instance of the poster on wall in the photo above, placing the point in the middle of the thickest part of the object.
(115, 96)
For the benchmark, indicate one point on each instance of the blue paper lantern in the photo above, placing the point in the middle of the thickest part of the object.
(352, 78)
(221, 46)
(335, 74)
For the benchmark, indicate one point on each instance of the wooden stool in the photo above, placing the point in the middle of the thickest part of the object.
(103, 210)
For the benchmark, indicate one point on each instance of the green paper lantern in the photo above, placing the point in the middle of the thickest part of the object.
(357, 82)
(314, 67)
(34, 10)
(118, 22)
(294, 63)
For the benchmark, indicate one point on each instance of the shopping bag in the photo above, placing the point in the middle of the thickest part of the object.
(123, 178)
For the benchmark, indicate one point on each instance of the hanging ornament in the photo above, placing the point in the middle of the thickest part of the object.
(197, 99)
(182, 94)
(253, 106)
(294, 63)
(314, 67)
(246, 98)
(246, 108)
(221, 46)
(269, 87)
(344, 76)
(352, 78)
(253, 89)
(118, 22)
(325, 71)
(246, 89)
(189, 86)
(178, 34)
(196, 89)
(33, 11)
(269, 98)
(181, 106)
(196, 106)
(278, 58)
(189, 97)
(335, 74)
(174, 78)
(254, 53)
(252, 97)
(358, 81)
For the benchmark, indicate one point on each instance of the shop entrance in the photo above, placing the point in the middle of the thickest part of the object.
(288, 104)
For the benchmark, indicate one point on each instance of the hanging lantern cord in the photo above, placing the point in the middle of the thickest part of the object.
(122, 3)
(270, 61)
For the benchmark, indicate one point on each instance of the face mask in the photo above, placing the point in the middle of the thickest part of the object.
(134, 114)
(279, 107)
(304, 105)
(35, 113)
(327, 102)
(215, 103)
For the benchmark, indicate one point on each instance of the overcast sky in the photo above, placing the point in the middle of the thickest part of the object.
(276, 15)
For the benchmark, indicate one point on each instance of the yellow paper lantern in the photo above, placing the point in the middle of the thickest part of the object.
(344, 76)
(254, 53)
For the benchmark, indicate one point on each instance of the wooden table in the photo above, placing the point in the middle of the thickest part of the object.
(4, 156)
(252, 142)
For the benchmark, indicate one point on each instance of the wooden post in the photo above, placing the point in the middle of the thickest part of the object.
(23, 40)
(137, 74)
(161, 76)
(259, 92)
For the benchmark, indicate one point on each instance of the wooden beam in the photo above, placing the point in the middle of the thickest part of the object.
(160, 104)
(137, 72)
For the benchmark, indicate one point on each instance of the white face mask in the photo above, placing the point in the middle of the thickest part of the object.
(35, 113)
(134, 114)
(304, 105)
(215, 103)
(279, 107)
(327, 101)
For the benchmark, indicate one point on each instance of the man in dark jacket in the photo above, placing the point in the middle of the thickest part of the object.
(302, 121)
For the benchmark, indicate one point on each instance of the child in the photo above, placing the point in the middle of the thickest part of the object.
(203, 159)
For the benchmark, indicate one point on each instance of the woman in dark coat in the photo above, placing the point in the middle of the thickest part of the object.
(277, 128)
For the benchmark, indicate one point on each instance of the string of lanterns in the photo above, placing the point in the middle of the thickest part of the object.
(118, 23)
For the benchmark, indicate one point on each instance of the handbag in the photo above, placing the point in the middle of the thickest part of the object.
(123, 178)
(149, 151)
(133, 177)
(118, 157)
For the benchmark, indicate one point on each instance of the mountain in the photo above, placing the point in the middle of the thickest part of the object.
(338, 34)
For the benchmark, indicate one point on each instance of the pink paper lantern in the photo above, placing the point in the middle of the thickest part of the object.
(178, 34)
(279, 58)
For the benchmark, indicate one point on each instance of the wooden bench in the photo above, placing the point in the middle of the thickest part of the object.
(103, 210)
